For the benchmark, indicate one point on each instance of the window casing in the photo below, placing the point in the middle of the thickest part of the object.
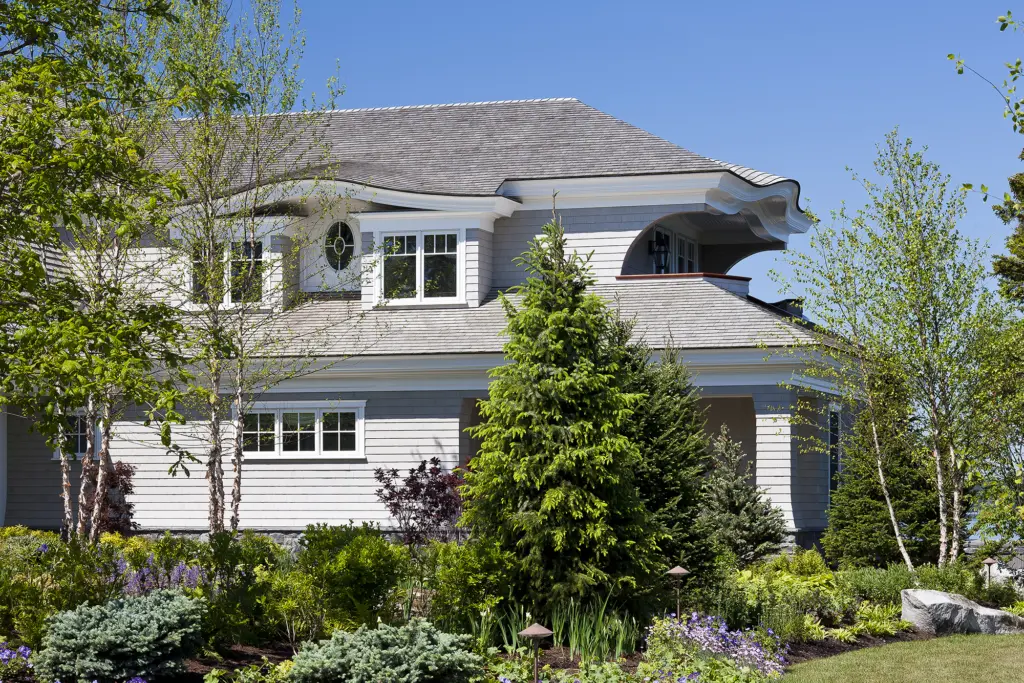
(686, 255)
(305, 430)
(424, 266)
(76, 436)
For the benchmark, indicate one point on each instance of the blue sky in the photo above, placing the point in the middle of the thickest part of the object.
(800, 89)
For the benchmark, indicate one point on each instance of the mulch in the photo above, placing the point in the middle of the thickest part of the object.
(235, 657)
(802, 652)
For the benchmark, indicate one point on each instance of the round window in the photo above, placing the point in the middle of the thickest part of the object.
(339, 245)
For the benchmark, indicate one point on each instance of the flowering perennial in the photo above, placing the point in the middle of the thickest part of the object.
(14, 663)
(151, 577)
(703, 635)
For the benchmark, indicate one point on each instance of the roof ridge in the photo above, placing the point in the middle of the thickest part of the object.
(451, 104)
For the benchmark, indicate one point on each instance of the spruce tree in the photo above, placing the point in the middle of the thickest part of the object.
(859, 532)
(744, 521)
(553, 482)
(668, 427)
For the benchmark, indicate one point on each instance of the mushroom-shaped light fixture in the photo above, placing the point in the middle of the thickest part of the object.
(989, 563)
(678, 574)
(536, 633)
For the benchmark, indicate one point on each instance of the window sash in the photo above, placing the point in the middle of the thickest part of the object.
(238, 276)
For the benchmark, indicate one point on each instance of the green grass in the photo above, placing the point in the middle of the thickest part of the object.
(987, 659)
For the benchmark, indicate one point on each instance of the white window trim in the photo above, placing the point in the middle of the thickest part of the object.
(226, 302)
(96, 439)
(419, 300)
(318, 407)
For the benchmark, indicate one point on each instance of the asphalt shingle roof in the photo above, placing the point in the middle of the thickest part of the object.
(472, 148)
(687, 315)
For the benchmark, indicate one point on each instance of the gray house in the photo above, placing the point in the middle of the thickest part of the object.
(459, 190)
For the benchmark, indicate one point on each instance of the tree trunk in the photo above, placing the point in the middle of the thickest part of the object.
(943, 515)
(956, 483)
(888, 499)
(99, 506)
(236, 460)
(68, 526)
(214, 463)
(86, 485)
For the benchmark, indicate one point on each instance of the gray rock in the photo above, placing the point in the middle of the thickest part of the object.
(941, 614)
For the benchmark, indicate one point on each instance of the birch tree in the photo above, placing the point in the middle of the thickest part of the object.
(73, 174)
(254, 171)
(899, 292)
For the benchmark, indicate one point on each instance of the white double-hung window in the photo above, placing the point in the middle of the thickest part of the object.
(422, 267)
(300, 430)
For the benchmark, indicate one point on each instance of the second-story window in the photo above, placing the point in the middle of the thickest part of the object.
(228, 276)
(421, 266)
(686, 255)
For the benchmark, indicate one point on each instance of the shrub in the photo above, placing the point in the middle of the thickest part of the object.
(321, 543)
(118, 512)
(364, 576)
(414, 653)
(144, 636)
(426, 505)
(40, 576)
(745, 521)
(465, 580)
(880, 586)
(238, 585)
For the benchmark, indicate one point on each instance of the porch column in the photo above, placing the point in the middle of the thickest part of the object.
(776, 447)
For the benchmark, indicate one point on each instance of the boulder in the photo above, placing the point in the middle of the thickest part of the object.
(941, 614)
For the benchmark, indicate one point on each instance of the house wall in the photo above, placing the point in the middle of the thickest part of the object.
(402, 429)
(606, 232)
(737, 414)
(479, 250)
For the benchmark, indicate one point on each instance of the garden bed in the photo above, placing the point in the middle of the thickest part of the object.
(803, 652)
(235, 657)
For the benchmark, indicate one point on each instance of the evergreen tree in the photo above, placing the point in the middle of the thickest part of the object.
(859, 530)
(744, 521)
(668, 427)
(553, 482)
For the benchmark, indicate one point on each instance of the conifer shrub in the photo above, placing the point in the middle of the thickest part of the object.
(148, 636)
(554, 480)
(414, 653)
(744, 521)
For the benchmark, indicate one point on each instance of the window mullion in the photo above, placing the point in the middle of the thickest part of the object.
(420, 251)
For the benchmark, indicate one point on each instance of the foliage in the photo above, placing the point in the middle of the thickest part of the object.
(465, 581)
(40, 576)
(743, 519)
(554, 483)
(117, 513)
(668, 428)
(414, 653)
(145, 636)
(264, 672)
(880, 620)
(593, 632)
(425, 504)
(859, 532)
(683, 645)
(898, 292)
(15, 666)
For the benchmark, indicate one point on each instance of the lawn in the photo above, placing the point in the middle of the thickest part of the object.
(992, 659)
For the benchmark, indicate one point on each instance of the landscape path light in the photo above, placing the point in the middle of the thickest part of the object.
(536, 633)
(678, 574)
(989, 563)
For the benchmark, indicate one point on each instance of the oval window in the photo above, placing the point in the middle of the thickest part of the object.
(339, 245)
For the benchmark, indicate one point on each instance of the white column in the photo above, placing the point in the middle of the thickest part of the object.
(776, 448)
(3, 465)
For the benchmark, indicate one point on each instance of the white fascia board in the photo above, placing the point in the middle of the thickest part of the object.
(266, 226)
(723, 191)
(647, 190)
(386, 221)
(307, 189)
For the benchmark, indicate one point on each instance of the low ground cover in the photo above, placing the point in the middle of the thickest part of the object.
(992, 659)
